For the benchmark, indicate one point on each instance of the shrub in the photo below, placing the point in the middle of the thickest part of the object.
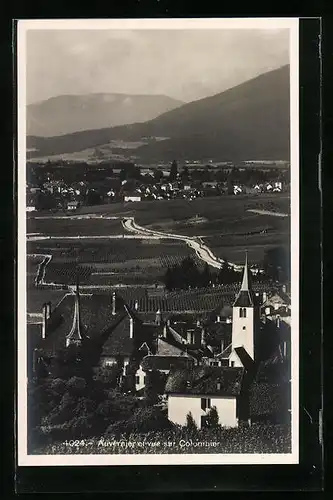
(142, 421)
(191, 425)
(212, 419)
(76, 385)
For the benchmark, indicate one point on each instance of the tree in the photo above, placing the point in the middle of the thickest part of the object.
(212, 419)
(185, 175)
(277, 264)
(173, 171)
(206, 276)
(190, 423)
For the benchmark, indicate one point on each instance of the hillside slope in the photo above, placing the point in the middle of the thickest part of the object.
(66, 114)
(250, 121)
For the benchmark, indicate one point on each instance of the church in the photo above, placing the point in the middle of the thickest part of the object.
(224, 348)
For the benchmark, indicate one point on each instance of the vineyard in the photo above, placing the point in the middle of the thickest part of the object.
(131, 261)
(67, 226)
(259, 439)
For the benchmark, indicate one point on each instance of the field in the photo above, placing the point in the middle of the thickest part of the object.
(117, 261)
(110, 255)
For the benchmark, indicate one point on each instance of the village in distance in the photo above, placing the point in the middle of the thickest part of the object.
(158, 307)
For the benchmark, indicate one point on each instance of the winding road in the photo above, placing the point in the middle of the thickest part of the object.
(203, 251)
(196, 243)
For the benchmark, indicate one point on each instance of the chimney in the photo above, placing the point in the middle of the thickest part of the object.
(158, 317)
(284, 288)
(136, 305)
(218, 319)
(131, 327)
(222, 345)
(48, 310)
(284, 349)
(264, 297)
(277, 321)
(44, 321)
(113, 303)
(203, 340)
(165, 330)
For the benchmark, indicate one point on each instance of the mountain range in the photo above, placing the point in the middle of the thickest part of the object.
(66, 114)
(249, 121)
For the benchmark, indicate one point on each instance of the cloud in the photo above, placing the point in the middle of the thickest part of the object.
(187, 64)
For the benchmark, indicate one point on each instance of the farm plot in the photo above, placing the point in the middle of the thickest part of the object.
(73, 226)
(268, 232)
(33, 263)
(130, 261)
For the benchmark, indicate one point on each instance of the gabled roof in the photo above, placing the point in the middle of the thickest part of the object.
(95, 316)
(205, 380)
(166, 362)
(164, 348)
(118, 341)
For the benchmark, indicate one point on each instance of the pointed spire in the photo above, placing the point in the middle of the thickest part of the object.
(75, 334)
(245, 282)
(245, 295)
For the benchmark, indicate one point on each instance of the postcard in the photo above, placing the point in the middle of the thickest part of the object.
(158, 236)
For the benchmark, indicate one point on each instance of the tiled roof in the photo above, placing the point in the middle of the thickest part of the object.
(166, 362)
(225, 354)
(96, 318)
(267, 399)
(206, 380)
(118, 342)
(37, 297)
(164, 348)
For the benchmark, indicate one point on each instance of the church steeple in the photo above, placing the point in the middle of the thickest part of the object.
(75, 335)
(245, 295)
(243, 324)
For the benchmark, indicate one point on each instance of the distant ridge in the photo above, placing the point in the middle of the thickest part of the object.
(249, 121)
(66, 114)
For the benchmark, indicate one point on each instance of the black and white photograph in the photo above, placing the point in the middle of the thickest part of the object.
(158, 241)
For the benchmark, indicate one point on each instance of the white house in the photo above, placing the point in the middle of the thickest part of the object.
(199, 389)
(132, 198)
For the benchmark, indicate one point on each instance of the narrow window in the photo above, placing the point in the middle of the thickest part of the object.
(244, 312)
(203, 404)
(144, 380)
(232, 363)
(208, 403)
(137, 379)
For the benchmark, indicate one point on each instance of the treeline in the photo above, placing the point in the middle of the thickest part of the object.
(275, 265)
(188, 275)
(68, 398)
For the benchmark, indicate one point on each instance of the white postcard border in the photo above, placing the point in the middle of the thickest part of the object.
(151, 459)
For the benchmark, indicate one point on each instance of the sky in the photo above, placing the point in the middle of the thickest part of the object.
(183, 64)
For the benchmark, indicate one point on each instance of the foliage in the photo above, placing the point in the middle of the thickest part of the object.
(212, 419)
(173, 171)
(155, 384)
(191, 425)
(143, 420)
(259, 438)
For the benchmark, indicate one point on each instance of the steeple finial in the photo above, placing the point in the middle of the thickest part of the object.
(245, 282)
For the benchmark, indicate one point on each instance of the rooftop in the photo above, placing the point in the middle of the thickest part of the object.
(205, 380)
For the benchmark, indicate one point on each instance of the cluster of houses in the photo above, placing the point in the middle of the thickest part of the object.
(236, 358)
(112, 189)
